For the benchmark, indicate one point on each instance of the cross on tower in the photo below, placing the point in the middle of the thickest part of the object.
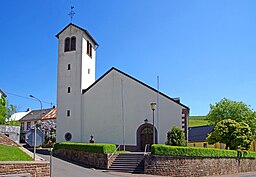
(71, 13)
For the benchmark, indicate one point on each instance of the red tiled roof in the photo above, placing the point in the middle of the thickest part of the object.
(51, 114)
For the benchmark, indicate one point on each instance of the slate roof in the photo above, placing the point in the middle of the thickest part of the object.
(2, 92)
(86, 32)
(199, 134)
(36, 114)
(136, 80)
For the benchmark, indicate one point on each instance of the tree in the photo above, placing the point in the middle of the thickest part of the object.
(3, 104)
(228, 109)
(176, 137)
(234, 134)
(6, 110)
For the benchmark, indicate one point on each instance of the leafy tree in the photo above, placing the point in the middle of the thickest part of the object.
(176, 137)
(228, 109)
(3, 104)
(6, 110)
(233, 134)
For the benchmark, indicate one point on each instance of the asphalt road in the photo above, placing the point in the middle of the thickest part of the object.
(62, 168)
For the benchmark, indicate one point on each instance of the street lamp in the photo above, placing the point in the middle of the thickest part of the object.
(153, 107)
(36, 125)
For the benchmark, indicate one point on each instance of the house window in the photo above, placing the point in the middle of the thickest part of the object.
(69, 89)
(22, 126)
(70, 44)
(89, 49)
(205, 145)
(68, 113)
(89, 71)
(73, 43)
(69, 66)
(28, 125)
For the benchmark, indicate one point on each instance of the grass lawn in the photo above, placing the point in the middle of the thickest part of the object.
(11, 153)
(195, 121)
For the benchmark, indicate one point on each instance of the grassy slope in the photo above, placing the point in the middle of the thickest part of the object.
(11, 153)
(197, 121)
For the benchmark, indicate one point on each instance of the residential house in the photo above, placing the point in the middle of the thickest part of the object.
(28, 121)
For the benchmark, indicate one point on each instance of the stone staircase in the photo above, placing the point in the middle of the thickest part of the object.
(129, 162)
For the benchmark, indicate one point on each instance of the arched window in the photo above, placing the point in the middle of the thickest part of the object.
(73, 43)
(67, 44)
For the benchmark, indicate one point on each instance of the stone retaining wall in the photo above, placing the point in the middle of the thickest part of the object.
(36, 169)
(196, 166)
(95, 159)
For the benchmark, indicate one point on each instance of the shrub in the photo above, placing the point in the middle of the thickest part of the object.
(87, 147)
(165, 150)
(176, 137)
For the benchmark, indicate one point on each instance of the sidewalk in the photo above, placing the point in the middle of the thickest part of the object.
(247, 174)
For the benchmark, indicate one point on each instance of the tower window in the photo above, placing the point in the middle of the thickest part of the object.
(70, 44)
(68, 113)
(89, 71)
(67, 44)
(89, 49)
(69, 66)
(69, 89)
(73, 43)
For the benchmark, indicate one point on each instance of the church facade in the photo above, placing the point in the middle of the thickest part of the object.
(116, 107)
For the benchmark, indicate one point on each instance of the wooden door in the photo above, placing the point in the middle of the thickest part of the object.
(146, 137)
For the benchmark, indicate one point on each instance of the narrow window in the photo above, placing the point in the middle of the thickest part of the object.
(69, 89)
(89, 49)
(22, 126)
(67, 44)
(69, 66)
(73, 43)
(28, 125)
(89, 71)
(68, 113)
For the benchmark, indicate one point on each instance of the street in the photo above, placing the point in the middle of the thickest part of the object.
(62, 168)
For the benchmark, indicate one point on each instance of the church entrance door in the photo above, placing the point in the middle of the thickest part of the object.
(146, 137)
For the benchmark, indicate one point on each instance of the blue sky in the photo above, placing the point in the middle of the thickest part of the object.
(202, 51)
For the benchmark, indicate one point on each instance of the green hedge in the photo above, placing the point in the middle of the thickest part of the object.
(87, 147)
(166, 150)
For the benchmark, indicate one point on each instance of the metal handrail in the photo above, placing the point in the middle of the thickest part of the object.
(114, 152)
(146, 147)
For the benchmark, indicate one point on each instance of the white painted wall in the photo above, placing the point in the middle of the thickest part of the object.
(77, 78)
(102, 110)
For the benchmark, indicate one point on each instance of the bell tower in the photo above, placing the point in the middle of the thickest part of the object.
(76, 72)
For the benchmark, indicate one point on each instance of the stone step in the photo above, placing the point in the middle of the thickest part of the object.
(128, 162)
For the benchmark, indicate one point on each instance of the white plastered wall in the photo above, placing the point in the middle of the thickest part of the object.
(102, 111)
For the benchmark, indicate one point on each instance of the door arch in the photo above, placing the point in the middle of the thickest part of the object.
(145, 136)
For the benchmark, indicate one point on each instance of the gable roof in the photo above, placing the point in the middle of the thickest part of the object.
(199, 134)
(50, 115)
(35, 115)
(86, 32)
(2, 92)
(136, 80)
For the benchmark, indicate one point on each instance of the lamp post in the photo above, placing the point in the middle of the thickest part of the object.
(153, 107)
(36, 125)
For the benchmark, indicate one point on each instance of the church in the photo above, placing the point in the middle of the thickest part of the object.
(116, 108)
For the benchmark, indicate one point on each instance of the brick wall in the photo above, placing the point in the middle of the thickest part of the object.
(95, 159)
(196, 166)
(36, 169)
